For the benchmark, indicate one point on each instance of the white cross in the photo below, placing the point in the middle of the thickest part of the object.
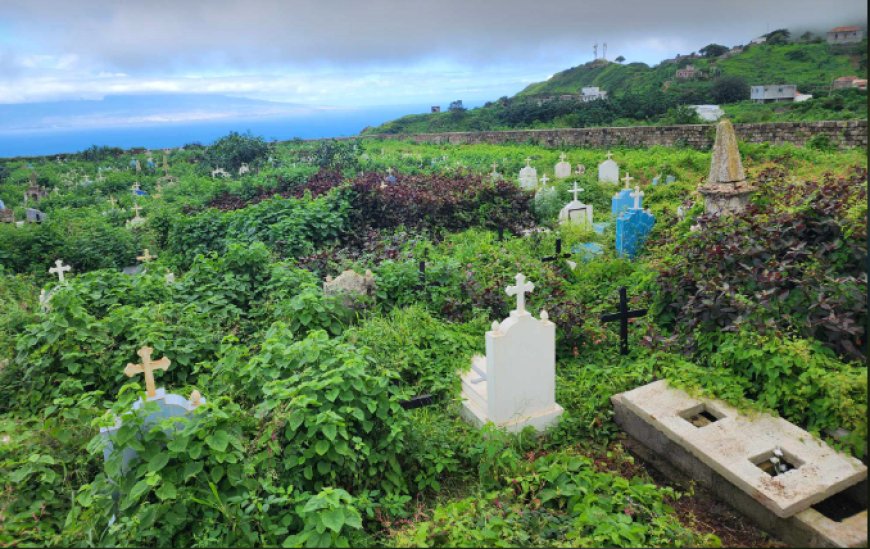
(575, 190)
(146, 256)
(390, 171)
(544, 179)
(627, 180)
(494, 166)
(136, 208)
(520, 291)
(528, 162)
(562, 157)
(59, 269)
(609, 154)
(636, 195)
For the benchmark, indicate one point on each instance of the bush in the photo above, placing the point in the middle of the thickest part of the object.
(232, 150)
(729, 89)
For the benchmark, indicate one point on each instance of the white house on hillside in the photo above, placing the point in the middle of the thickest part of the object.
(592, 93)
(774, 92)
(845, 35)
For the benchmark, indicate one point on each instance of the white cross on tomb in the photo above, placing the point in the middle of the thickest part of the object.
(520, 290)
(59, 269)
(636, 195)
(544, 179)
(575, 190)
(137, 208)
(627, 180)
(562, 157)
(528, 162)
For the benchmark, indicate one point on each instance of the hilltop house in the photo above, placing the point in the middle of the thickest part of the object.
(688, 73)
(773, 93)
(849, 82)
(436, 108)
(845, 35)
(592, 93)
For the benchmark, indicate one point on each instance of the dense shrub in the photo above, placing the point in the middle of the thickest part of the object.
(234, 149)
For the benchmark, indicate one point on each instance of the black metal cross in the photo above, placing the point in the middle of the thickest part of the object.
(622, 316)
(418, 402)
(559, 254)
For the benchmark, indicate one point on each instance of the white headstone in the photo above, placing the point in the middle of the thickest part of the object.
(576, 212)
(514, 386)
(563, 169)
(528, 176)
(608, 171)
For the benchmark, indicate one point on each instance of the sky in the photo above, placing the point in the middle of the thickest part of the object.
(360, 53)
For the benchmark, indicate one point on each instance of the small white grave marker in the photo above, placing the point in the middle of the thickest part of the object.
(636, 195)
(59, 269)
(563, 168)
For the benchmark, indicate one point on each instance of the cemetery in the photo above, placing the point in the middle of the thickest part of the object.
(386, 342)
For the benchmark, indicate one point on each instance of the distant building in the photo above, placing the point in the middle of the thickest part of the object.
(759, 40)
(592, 93)
(845, 35)
(801, 97)
(773, 93)
(688, 73)
(436, 108)
(849, 82)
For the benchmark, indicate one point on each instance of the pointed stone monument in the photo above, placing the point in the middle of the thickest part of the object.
(514, 385)
(726, 190)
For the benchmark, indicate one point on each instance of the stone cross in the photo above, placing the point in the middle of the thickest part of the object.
(636, 195)
(494, 165)
(562, 157)
(390, 171)
(136, 208)
(520, 290)
(575, 190)
(609, 155)
(146, 256)
(544, 179)
(59, 269)
(147, 367)
(627, 179)
(528, 162)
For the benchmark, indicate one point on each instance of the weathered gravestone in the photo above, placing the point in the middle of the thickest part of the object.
(726, 190)
(576, 212)
(670, 179)
(622, 200)
(563, 168)
(632, 228)
(608, 171)
(514, 385)
(528, 176)
(32, 215)
(656, 180)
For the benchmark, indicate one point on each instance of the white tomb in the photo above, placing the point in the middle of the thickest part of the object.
(563, 168)
(514, 385)
(528, 176)
(608, 171)
(576, 212)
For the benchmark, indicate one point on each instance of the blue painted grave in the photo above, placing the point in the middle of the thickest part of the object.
(670, 179)
(621, 202)
(656, 180)
(587, 250)
(632, 228)
(600, 227)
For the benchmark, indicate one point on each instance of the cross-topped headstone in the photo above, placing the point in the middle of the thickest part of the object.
(135, 187)
(627, 179)
(544, 179)
(623, 317)
(636, 195)
(562, 157)
(147, 367)
(520, 290)
(494, 165)
(146, 256)
(59, 269)
(528, 161)
(575, 190)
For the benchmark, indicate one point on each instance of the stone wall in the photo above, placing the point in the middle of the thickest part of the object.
(842, 133)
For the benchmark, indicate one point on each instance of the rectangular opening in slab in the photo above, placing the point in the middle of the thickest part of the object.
(701, 415)
(840, 506)
(774, 464)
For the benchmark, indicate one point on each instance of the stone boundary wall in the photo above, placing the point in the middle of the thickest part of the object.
(843, 134)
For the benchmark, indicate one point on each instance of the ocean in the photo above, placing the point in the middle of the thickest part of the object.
(338, 123)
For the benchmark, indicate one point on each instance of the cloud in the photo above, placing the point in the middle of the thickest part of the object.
(314, 42)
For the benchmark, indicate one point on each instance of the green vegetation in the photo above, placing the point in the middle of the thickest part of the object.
(302, 440)
(639, 94)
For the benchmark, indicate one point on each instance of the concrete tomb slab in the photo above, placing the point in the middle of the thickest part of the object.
(739, 447)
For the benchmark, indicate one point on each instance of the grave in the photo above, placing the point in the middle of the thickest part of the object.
(563, 168)
(32, 215)
(528, 176)
(495, 175)
(514, 385)
(788, 481)
(136, 219)
(632, 228)
(608, 171)
(726, 190)
(6, 214)
(58, 269)
(622, 200)
(350, 284)
(656, 179)
(137, 190)
(168, 405)
(587, 250)
(581, 169)
(34, 191)
(600, 226)
(390, 179)
(219, 171)
(670, 179)
(623, 315)
(576, 212)
(243, 169)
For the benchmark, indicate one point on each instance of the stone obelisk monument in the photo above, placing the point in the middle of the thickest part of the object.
(726, 190)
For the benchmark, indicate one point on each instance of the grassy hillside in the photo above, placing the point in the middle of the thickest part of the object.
(640, 94)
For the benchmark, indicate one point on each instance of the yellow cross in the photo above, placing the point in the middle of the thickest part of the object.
(146, 257)
(147, 367)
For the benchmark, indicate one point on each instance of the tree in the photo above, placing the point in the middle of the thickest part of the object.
(778, 37)
(234, 149)
(713, 50)
(456, 106)
(729, 89)
(619, 59)
(807, 36)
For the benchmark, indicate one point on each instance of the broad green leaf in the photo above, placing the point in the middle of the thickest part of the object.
(333, 519)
